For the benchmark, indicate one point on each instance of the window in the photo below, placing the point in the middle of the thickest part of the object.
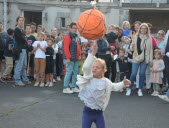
(63, 25)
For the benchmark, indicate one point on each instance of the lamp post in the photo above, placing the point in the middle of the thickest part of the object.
(5, 15)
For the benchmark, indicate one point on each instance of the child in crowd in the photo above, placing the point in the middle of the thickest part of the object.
(122, 65)
(33, 30)
(39, 48)
(157, 72)
(8, 56)
(55, 47)
(81, 62)
(95, 90)
(49, 63)
(61, 67)
(40, 29)
(30, 40)
(125, 44)
(126, 29)
(47, 36)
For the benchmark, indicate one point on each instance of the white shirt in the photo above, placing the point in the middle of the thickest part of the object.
(93, 93)
(39, 53)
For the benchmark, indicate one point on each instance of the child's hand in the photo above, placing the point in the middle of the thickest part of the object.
(133, 45)
(112, 48)
(155, 71)
(150, 64)
(94, 48)
(126, 81)
(38, 45)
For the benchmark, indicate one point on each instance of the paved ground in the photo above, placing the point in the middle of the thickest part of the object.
(35, 107)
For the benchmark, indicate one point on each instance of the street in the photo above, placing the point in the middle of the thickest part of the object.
(35, 107)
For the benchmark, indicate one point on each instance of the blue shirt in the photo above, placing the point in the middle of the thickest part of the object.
(126, 32)
(9, 41)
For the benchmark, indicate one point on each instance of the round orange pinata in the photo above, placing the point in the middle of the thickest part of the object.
(91, 24)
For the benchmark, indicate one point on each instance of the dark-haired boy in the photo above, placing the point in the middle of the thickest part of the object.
(8, 56)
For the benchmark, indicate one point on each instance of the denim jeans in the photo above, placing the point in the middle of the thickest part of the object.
(135, 67)
(20, 68)
(71, 70)
(167, 94)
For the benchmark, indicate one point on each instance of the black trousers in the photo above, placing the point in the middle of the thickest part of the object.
(108, 59)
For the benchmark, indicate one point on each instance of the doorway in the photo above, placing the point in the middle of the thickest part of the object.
(31, 16)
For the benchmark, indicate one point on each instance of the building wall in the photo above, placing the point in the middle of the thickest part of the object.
(52, 11)
(54, 14)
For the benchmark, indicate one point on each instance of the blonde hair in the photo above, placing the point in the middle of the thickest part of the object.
(148, 29)
(102, 62)
(162, 32)
(41, 33)
(158, 51)
(126, 22)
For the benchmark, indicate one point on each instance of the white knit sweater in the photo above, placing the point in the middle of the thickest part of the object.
(83, 80)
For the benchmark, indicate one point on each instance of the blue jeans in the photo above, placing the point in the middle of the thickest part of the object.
(167, 94)
(135, 67)
(91, 115)
(20, 68)
(71, 70)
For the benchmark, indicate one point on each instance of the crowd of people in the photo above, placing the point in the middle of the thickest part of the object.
(32, 54)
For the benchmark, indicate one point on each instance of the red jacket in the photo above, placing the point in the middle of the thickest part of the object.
(67, 42)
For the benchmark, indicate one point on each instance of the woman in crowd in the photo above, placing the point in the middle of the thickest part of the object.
(142, 55)
(160, 38)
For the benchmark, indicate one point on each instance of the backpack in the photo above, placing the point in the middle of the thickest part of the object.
(3, 38)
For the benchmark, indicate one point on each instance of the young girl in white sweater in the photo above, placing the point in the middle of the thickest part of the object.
(95, 90)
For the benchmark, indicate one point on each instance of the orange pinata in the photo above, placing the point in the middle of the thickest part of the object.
(91, 24)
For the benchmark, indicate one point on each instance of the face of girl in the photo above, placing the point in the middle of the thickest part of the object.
(20, 22)
(160, 35)
(40, 37)
(136, 27)
(126, 26)
(143, 30)
(33, 28)
(97, 70)
(157, 56)
(54, 31)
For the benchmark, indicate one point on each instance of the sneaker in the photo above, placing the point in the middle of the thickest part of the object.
(58, 78)
(164, 97)
(54, 81)
(140, 92)
(47, 84)
(36, 84)
(27, 83)
(156, 93)
(128, 92)
(153, 93)
(42, 84)
(76, 89)
(3, 79)
(9, 79)
(67, 90)
(51, 84)
(20, 84)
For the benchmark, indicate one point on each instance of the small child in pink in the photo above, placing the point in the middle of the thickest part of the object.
(157, 72)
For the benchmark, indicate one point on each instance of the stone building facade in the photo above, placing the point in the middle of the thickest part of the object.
(55, 13)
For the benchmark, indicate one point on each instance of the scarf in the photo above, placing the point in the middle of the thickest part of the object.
(143, 39)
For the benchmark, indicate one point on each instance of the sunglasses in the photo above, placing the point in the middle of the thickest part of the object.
(160, 33)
